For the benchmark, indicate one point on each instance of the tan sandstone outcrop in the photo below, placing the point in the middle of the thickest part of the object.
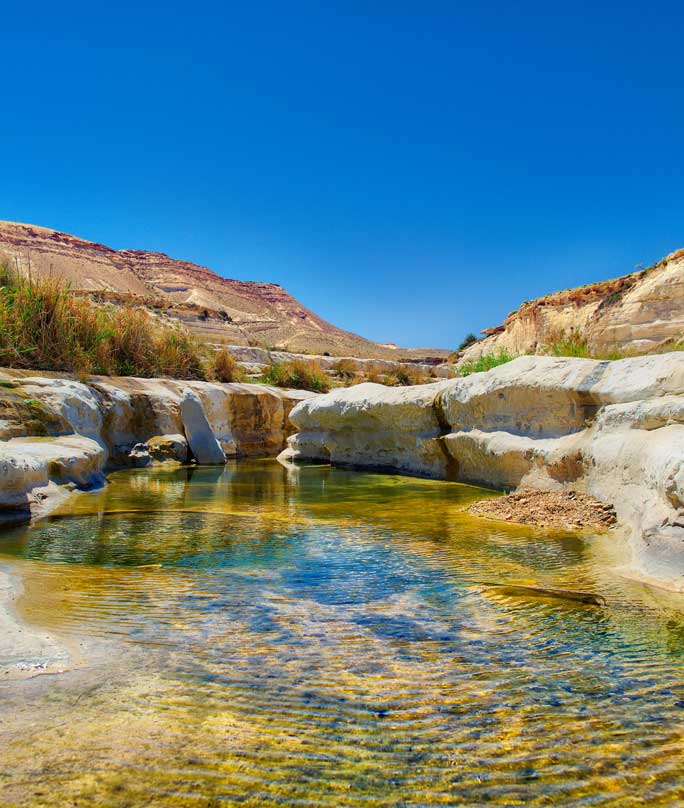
(614, 430)
(57, 433)
(633, 314)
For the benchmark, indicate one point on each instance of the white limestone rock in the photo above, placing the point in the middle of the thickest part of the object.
(202, 441)
(612, 429)
(31, 469)
(372, 425)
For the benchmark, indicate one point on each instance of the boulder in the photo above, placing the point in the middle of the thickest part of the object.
(374, 426)
(31, 469)
(139, 457)
(168, 448)
(202, 441)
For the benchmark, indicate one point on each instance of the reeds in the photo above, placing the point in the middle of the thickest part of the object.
(44, 327)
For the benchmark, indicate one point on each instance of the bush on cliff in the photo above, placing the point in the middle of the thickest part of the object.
(44, 327)
(466, 342)
(299, 374)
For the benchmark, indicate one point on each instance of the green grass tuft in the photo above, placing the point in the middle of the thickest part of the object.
(572, 344)
(485, 362)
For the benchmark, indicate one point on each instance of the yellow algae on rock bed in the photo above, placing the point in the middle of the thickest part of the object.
(264, 635)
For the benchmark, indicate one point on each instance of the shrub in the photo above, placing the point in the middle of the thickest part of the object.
(485, 362)
(224, 367)
(572, 344)
(44, 327)
(299, 374)
(469, 339)
(407, 376)
(345, 369)
(375, 373)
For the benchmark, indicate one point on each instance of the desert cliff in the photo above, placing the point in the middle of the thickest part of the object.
(633, 314)
(219, 310)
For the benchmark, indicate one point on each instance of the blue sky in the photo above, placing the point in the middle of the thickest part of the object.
(410, 171)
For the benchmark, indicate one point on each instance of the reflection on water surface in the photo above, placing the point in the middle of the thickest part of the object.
(268, 636)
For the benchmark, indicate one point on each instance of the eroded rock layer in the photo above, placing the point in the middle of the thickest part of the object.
(633, 314)
(57, 433)
(219, 310)
(614, 430)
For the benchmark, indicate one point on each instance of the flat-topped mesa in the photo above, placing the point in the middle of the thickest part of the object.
(57, 433)
(614, 430)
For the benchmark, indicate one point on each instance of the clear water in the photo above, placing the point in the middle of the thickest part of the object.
(318, 637)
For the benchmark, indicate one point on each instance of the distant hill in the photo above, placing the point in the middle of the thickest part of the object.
(218, 309)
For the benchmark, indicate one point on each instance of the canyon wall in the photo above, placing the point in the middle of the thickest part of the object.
(614, 430)
(58, 433)
(217, 309)
(633, 314)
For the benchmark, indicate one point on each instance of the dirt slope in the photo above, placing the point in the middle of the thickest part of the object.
(239, 312)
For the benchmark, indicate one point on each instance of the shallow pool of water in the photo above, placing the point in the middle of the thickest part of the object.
(319, 637)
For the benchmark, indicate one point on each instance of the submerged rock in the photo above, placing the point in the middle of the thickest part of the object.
(532, 590)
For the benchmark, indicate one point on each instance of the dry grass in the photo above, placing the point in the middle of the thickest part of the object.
(345, 369)
(375, 373)
(224, 367)
(44, 327)
(407, 376)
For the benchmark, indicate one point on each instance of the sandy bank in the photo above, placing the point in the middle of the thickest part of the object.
(25, 651)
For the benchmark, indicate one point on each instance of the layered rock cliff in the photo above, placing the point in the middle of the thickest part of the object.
(57, 433)
(614, 430)
(633, 314)
(219, 310)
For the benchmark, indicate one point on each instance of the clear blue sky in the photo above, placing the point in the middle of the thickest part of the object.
(410, 171)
